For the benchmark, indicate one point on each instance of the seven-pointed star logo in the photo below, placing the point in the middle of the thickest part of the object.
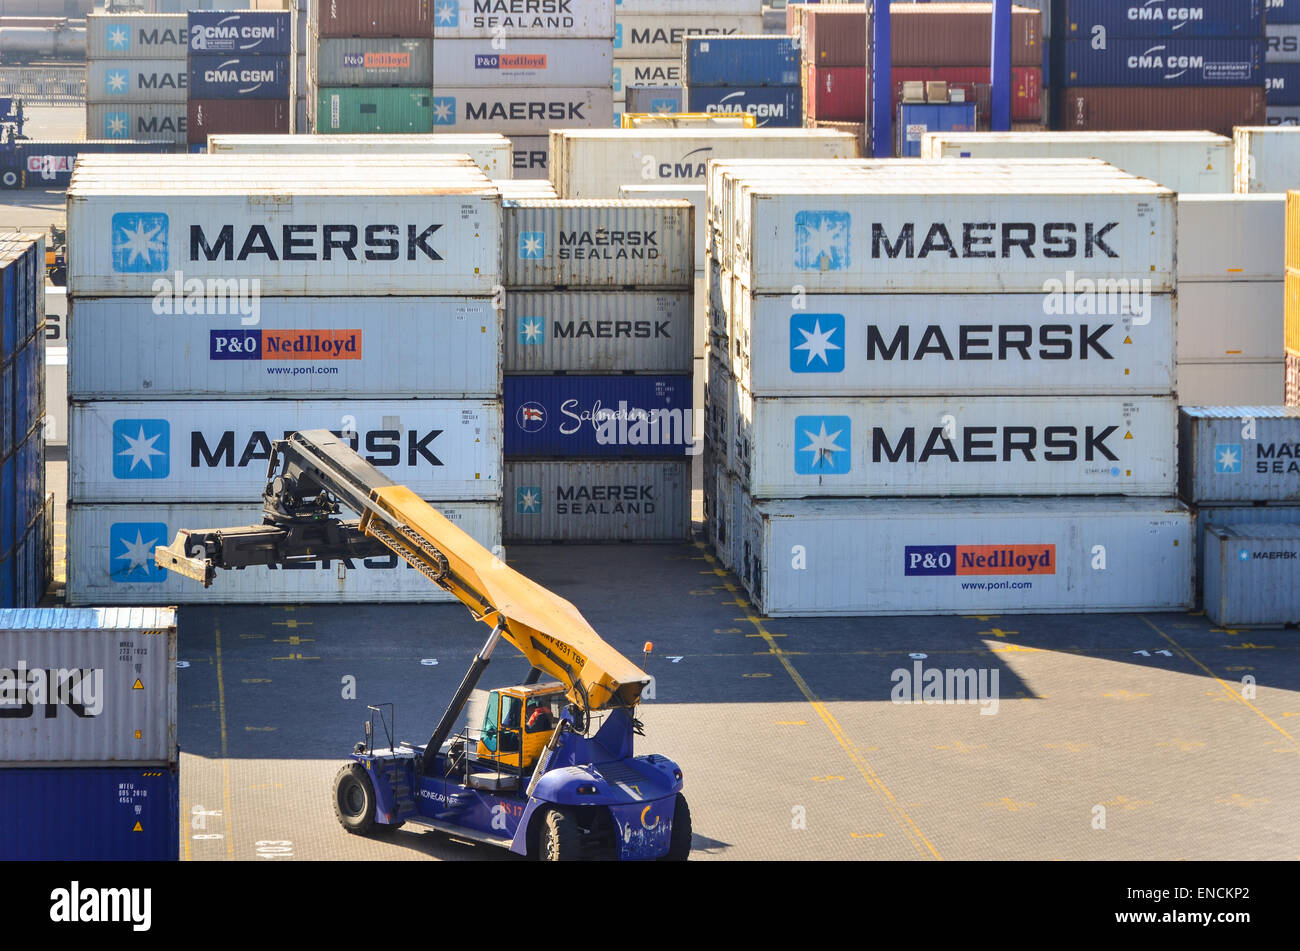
(812, 343)
(137, 554)
(116, 80)
(1227, 458)
(531, 330)
(444, 110)
(119, 38)
(821, 240)
(139, 242)
(528, 499)
(532, 244)
(115, 124)
(447, 13)
(130, 551)
(141, 449)
(822, 445)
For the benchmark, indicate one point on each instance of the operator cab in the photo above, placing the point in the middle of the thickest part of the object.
(518, 722)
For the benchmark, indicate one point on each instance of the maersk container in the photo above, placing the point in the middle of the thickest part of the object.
(629, 73)
(597, 501)
(218, 450)
(1190, 61)
(127, 36)
(1165, 19)
(375, 61)
(740, 61)
(1267, 158)
(90, 814)
(480, 63)
(1282, 83)
(972, 556)
(1231, 382)
(695, 194)
(1083, 445)
(771, 106)
(491, 153)
(1283, 41)
(373, 109)
(514, 20)
(287, 347)
(530, 156)
(1241, 514)
(610, 416)
(137, 81)
(123, 120)
(1252, 332)
(1282, 115)
(609, 243)
(1237, 238)
(657, 100)
(330, 18)
(240, 76)
(660, 35)
(1252, 574)
(110, 559)
(523, 110)
(95, 685)
(598, 332)
(242, 32)
(1239, 453)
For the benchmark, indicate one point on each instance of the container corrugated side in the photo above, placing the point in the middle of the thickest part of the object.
(596, 332)
(1267, 158)
(660, 35)
(695, 194)
(1253, 332)
(945, 34)
(251, 32)
(480, 63)
(1239, 454)
(125, 36)
(137, 81)
(1283, 43)
(217, 450)
(110, 559)
(740, 61)
(521, 109)
(1231, 382)
(121, 814)
(1183, 61)
(1252, 574)
(166, 121)
(1293, 232)
(491, 153)
(530, 156)
(1085, 445)
(1104, 108)
(369, 18)
(1231, 237)
(632, 73)
(771, 106)
(1282, 80)
(374, 61)
(597, 501)
(205, 117)
(592, 416)
(240, 76)
(1083, 19)
(1292, 394)
(380, 109)
(1240, 514)
(485, 19)
(88, 685)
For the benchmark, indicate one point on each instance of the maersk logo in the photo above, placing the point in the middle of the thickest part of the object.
(618, 36)
(139, 242)
(118, 38)
(823, 445)
(447, 13)
(1227, 459)
(117, 125)
(141, 449)
(1243, 555)
(528, 499)
(817, 343)
(444, 110)
(821, 240)
(532, 330)
(532, 245)
(663, 106)
(618, 78)
(131, 546)
(117, 82)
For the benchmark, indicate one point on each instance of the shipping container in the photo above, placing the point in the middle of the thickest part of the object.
(1267, 158)
(1293, 242)
(238, 76)
(597, 501)
(56, 396)
(1283, 43)
(513, 20)
(659, 100)
(22, 290)
(530, 156)
(521, 189)
(957, 34)
(645, 72)
(287, 347)
(136, 36)
(660, 36)
(136, 81)
(522, 110)
(1183, 61)
(243, 32)
(564, 63)
(1231, 382)
(1163, 19)
(585, 416)
(348, 109)
(695, 194)
(1292, 395)
(1282, 115)
(608, 243)
(110, 559)
(370, 18)
(972, 556)
(1231, 238)
(1227, 320)
(1106, 108)
(973, 82)
(1241, 514)
(916, 120)
(1239, 454)
(490, 152)
(835, 35)
(205, 117)
(90, 814)
(104, 680)
(771, 106)
(596, 332)
(1282, 83)
(1283, 11)
(218, 450)
(740, 61)
(1252, 574)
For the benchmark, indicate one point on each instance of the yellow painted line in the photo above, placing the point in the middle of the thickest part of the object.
(225, 760)
(1236, 694)
(791, 722)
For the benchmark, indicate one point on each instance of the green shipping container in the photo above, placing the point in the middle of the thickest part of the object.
(346, 109)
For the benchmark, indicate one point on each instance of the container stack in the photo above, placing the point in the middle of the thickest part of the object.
(1122, 66)
(136, 76)
(1267, 159)
(832, 41)
(758, 75)
(241, 73)
(846, 476)
(491, 153)
(88, 729)
(372, 316)
(25, 516)
(1292, 290)
(599, 419)
(1282, 62)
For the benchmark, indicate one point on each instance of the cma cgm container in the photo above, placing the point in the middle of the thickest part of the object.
(1239, 454)
(521, 109)
(571, 63)
(771, 106)
(490, 152)
(740, 61)
(136, 81)
(520, 19)
(1109, 108)
(373, 109)
(1023, 556)
(1252, 574)
(1187, 61)
(94, 685)
(1267, 158)
(205, 117)
(110, 559)
(583, 416)
(1081, 19)
(597, 501)
(121, 120)
(374, 61)
(1282, 81)
(330, 18)
(218, 450)
(659, 36)
(127, 36)
(241, 32)
(240, 76)
(90, 814)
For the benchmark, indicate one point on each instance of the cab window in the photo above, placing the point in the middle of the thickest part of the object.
(540, 718)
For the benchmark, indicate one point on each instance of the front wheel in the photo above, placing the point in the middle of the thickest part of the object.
(679, 846)
(354, 800)
(560, 838)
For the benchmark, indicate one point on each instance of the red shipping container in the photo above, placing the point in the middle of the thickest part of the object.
(1026, 87)
(835, 35)
(835, 92)
(375, 18)
(1187, 108)
(959, 34)
(206, 117)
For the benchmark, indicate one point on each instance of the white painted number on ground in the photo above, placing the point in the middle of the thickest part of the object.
(182, 664)
(430, 662)
(675, 659)
(274, 849)
(648, 692)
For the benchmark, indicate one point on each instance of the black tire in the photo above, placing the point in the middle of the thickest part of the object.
(10, 178)
(679, 846)
(354, 800)
(59, 277)
(559, 839)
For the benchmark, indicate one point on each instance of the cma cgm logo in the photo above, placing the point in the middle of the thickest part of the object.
(1227, 459)
(532, 245)
(817, 343)
(139, 242)
(444, 110)
(979, 560)
(821, 240)
(446, 13)
(532, 330)
(528, 499)
(531, 417)
(141, 449)
(823, 445)
(130, 550)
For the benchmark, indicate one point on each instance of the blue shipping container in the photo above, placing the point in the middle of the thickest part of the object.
(7, 395)
(1163, 63)
(1282, 11)
(1162, 18)
(597, 415)
(260, 32)
(740, 61)
(50, 164)
(240, 77)
(771, 106)
(915, 120)
(1283, 84)
(22, 267)
(88, 814)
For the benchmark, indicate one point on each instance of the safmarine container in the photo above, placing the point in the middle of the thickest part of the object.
(524, 62)
(136, 36)
(122, 814)
(583, 416)
(1267, 158)
(740, 61)
(1236, 238)
(1190, 61)
(1080, 19)
(1253, 332)
(491, 153)
(1252, 574)
(110, 558)
(520, 109)
(771, 106)
(524, 19)
(372, 109)
(597, 501)
(94, 685)
(1203, 108)
(218, 450)
(374, 61)
(370, 17)
(122, 120)
(1021, 556)
(1239, 453)
(136, 81)
(205, 117)
(240, 76)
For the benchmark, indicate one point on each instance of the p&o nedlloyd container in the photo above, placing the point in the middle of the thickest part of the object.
(595, 332)
(1267, 158)
(491, 152)
(1252, 574)
(90, 685)
(567, 62)
(374, 61)
(596, 500)
(1239, 454)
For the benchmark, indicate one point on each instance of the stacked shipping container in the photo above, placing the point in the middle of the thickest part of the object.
(1282, 62)
(241, 73)
(1292, 291)
(758, 75)
(1267, 158)
(136, 76)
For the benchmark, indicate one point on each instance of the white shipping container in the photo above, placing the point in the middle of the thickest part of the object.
(541, 62)
(1231, 382)
(137, 36)
(598, 332)
(521, 189)
(524, 19)
(688, 7)
(110, 559)
(646, 72)
(56, 396)
(1231, 321)
(490, 152)
(521, 110)
(659, 36)
(1239, 453)
(1187, 162)
(287, 347)
(157, 121)
(968, 556)
(720, 411)
(137, 80)
(1083, 445)
(530, 156)
(1267, 158)
(1231, 237)
(87, 685)
(218, 450)
(1252, 574)
(920, 344)
(597, 501)
(695, 194)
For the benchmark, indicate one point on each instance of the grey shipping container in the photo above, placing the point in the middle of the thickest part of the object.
(597, 501)
(137, 36)
(1243, 514)
(360, 61)
(137, 81)
(1239, 453)
(88, 685)
(1252, 574)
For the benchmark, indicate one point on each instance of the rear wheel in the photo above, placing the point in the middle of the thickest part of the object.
(354, 800)
(560, 841)
(679, 846)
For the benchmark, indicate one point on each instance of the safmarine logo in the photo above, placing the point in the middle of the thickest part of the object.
(528, 499)
(532, 244)
(117, 125)
(444, 110)
(447, 13)
(141, 449)
(117, 82)
(531, 417)
(1227, 459)
(131, 546)
(118, 37)
(823, 445)
(139, 242)
(532, 330)
(979, 560)
(817, 343)
(821, 240)
(284, 345)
